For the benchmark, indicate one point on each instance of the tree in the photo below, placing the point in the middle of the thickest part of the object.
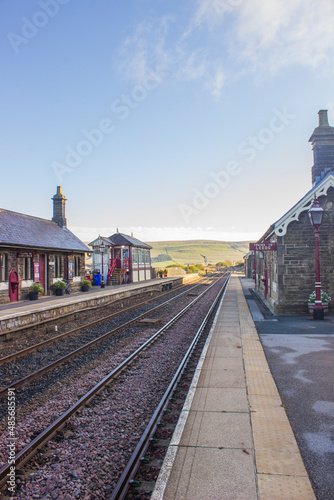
(227, 263)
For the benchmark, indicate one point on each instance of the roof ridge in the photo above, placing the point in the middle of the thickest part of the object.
(27, 215)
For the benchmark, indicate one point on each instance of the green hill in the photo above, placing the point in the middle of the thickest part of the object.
(189, 252)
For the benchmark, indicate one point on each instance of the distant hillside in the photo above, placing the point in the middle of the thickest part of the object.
(189, 252)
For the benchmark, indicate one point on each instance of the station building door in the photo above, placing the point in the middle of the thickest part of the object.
(13, 286)
(42, 272)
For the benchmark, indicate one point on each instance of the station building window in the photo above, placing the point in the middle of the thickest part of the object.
(57, 266)
(28, 268)
(125, 253)
(261, 266)
(3, 267)
(135, 256)
(147, 256)
(76, 266)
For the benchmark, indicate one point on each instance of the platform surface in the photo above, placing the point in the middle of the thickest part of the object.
(233, 440)
(14, 309)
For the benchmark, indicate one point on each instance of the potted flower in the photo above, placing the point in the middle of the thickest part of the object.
(59, 287)
(34, 290)
(325, 299)
(85, 285)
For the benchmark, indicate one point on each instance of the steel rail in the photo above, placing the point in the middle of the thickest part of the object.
(38, 373)
(28, 350)
(121, 489)
(24, 455)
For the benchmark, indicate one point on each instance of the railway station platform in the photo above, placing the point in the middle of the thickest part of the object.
(233, 439)
(20, 315)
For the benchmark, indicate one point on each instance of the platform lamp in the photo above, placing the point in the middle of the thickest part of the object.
(102, 249)
(316, 215)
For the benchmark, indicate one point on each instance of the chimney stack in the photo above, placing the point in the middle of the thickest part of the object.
(322, 141)
(59, 201)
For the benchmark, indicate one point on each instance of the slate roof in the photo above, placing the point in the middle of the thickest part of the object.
(123, 239)
(97, 242)
(28, 231)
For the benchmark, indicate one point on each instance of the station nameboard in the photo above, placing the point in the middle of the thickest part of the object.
(266, 246)
(25, 255)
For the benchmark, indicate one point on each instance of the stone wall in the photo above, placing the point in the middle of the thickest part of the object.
(293, 267)
(15, 262)
(249, 266)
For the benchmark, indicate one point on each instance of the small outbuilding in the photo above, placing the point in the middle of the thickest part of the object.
(125, 259)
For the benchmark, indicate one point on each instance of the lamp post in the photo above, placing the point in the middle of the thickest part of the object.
(102, 248)
(316, 215)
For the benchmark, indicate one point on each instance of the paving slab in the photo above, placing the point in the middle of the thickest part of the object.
(220, 399)
(217, 430)
(235, 484)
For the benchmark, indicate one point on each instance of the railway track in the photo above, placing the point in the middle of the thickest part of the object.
(24, 455)
(23, 329)
(56, 363)
(39, 345)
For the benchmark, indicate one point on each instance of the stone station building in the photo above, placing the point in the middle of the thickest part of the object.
(286, 277)
(38, 250)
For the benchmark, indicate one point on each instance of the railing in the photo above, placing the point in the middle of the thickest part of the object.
(121, 275)
(122, 272)
(111, 270)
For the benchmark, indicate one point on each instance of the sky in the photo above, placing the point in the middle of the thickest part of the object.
(171, 120)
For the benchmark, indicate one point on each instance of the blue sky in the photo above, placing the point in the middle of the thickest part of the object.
(172, 120)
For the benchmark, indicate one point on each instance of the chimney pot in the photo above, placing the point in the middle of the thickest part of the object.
(323, 118)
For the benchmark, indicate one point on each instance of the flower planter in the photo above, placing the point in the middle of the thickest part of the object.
(33, 295)
(60, 291)
(85, 288)
(310, 306)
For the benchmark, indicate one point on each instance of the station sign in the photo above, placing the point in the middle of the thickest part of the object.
(70, 270)
(37, 275)
(25, 255)
(265, 246)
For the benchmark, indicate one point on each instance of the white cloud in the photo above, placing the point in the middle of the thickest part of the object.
(210, 13)
(273, 35)
(194, 65)
(226, 39)
(217, 82)
(145, 48)
(150, 47)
